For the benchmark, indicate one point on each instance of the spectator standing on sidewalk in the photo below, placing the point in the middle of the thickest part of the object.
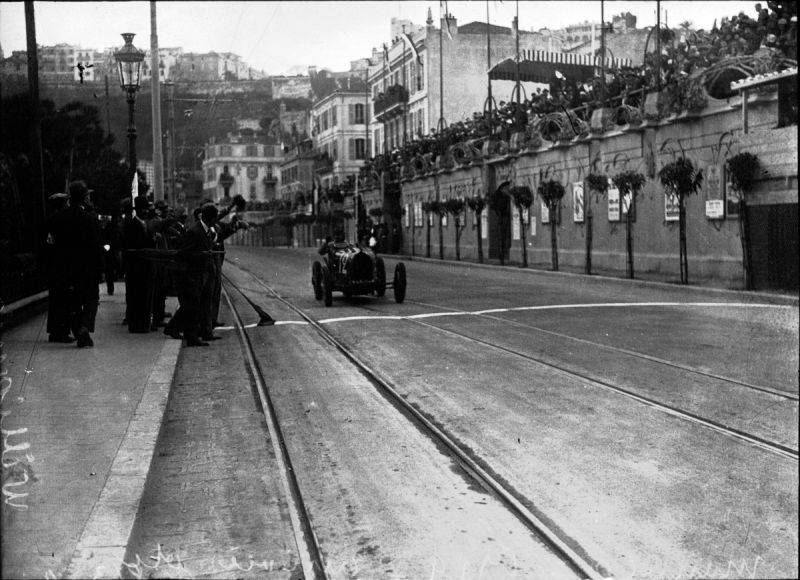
(195, 282)
(112, 239)
(58, 315)
(77, 247)
(138, 269)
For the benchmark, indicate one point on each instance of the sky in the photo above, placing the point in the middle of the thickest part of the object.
(287, 37)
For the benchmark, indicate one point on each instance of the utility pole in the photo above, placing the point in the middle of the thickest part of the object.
(155, 83)
(108, 109)
(171, 160)
(35, 135)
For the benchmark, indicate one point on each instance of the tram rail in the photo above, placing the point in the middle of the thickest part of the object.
(582, 565)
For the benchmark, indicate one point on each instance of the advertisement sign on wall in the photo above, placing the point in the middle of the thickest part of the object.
(613, 204)
(545, 213)
(577, 202)
(671, 212)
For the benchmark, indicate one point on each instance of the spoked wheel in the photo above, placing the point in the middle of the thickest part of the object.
(380, 277)
(327, 285)
(317, 280)
(399, 283)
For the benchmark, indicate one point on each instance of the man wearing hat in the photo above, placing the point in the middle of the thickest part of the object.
(58, 320)
(78, 259)
(138, 270)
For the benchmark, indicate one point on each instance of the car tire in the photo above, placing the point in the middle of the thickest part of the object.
(317, 280)
(380, 277)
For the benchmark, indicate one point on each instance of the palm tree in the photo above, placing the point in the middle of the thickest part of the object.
(522, 196)
(477, 204)
(681, 179)
(596, 183)
(455, 207)
(743, 168)
(629, 183)
(551, 192)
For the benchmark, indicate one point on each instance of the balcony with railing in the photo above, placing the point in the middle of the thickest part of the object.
(390, 103)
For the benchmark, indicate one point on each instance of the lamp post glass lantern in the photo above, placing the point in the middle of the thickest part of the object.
(129, 63)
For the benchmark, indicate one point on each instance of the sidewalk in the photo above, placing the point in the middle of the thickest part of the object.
(79, 429)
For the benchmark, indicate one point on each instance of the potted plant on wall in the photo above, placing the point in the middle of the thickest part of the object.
(455, 207)
(522, 196)
(629, 183)
(681, 178)
(597, 184)
(477, 203)
(551, 191)
(743, 169)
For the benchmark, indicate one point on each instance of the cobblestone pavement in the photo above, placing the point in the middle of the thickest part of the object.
(213, 505)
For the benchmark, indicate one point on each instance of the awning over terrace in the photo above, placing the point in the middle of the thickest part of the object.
(539, 66)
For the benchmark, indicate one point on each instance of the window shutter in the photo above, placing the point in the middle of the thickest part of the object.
(351, 147)
(352, 109)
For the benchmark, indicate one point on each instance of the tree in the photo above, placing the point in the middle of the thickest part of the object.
(522, 196)
(597, 184)
(551, 192)
(427, 208)
(681, 179)
(629, 183)
(477, 203)
(436, 207)
(498, 202)
(743, 168)
(455, 207)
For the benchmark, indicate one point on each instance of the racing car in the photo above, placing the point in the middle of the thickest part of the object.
(354, 270)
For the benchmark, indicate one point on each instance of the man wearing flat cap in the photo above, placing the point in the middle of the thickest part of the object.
(138, 270)
(78, 261)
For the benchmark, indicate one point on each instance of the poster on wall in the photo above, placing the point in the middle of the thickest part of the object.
(417, 214)
(577, 202)
(613, 204)
(484, 225)
(545, 213)
(713, 185)
(671, 211)
(406, 215)
(515, 232)
(715, 209)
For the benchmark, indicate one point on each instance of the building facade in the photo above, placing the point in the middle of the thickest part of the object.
(252, 169)
(431, 76)
(341, 132)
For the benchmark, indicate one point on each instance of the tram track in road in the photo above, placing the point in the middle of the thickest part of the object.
(764, 389)
(571, 554)
(309, 550)
(761, 442)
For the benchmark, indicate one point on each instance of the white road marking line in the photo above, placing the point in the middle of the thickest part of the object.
(523, 308)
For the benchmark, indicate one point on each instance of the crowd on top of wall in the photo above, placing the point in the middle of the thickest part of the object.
(684, 53)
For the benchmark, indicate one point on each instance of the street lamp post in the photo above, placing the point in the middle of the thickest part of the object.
(129, 61)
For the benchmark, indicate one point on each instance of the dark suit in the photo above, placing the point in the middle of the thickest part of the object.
(138, 275)
(194, 283)
(78, 263)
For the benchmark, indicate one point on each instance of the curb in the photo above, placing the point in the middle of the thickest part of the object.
(102, 546)
(754, 296)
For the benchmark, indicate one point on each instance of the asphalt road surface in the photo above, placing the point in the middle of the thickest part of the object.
(652, 429)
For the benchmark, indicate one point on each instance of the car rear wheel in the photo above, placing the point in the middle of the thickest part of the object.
(380, 277)
(316, 280)
(400, 283)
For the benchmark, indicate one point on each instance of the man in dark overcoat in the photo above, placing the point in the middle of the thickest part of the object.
(195, 282)
(138, 269)
(58, 315)
(78, 251)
